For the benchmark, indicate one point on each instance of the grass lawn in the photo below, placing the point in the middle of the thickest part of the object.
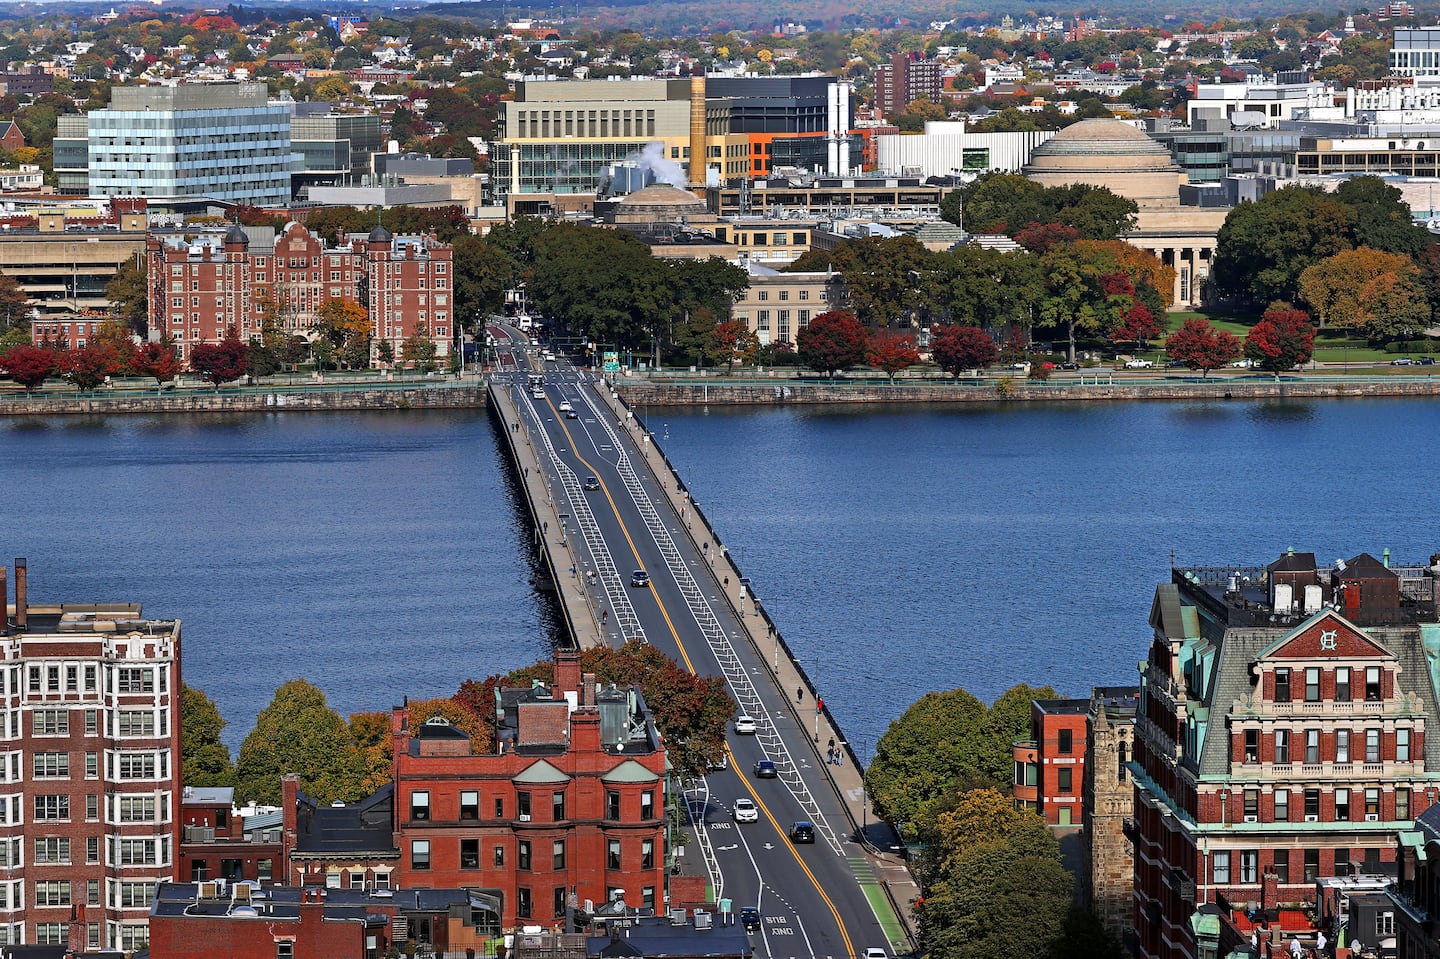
(1221, 321)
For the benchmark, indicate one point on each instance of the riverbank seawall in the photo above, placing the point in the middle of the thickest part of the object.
(253, 399)
(779, 391)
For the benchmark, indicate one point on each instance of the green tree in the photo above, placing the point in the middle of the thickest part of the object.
(1383, 220)
(887, 279)
(484, 270)
(602, 284)
(298, 733)
(128, 291)
(206, 759)
(418, 350)
(1265, 245)
(1006, 721)
(923, 756)
(14, 305)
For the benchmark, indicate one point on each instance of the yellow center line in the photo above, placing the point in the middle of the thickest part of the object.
(675, 635)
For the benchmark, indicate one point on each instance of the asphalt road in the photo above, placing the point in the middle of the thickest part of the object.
(810, 896)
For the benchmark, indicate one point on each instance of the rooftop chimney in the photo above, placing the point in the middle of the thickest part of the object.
(22, 594)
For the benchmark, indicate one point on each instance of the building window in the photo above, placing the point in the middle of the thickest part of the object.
(1252, 804)
(1312, 684)
(52, 933)
(1066, 780)
(51, 851)
(499, 807)
(1341, 864)
(1402, 745)
(1402, 805)
(420, 804)
(499, 855)
(52, 722)
(52, 808)
(1342, 805)
(612, 804)
(1282, 805)
(1372, 804)
(1067, 741)
(469, 854)
(522, 855)
(1342, 745)
(1122, 751)
(1372, 745)
(522, 903)
(612, 860)
(647, 854)
(647, 804)
(1282, 685)
(1252, 745)
(1250, 865)
(1220, 867)
(52, 765)
(1384, 925)
(1342, 684)
(54, 892)
(557, 807)
(420, 854)
(1282, 865)
(1312, 866)
(557, 854)
(559, 896)
(1312, 745)
(522, 806)
(1312, 803)
(1372, 684)
(469, 804)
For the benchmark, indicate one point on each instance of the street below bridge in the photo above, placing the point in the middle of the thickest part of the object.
(616, 516)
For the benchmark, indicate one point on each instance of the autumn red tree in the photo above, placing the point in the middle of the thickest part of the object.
(158, 360)
(957, 348)
(1282, 340)
(29, 365)
(1138, 325)
(1042, 237)
(1201, 346)
(222, 362)
(734, 341)
(832, 341)
(891, 353)
(88, 366)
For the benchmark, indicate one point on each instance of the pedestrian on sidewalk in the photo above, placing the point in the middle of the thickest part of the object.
(839, 757)
(604, 616)
(830, 757)
(832, 743)
(799, 690)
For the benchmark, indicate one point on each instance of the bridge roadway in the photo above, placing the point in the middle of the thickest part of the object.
(820, 900)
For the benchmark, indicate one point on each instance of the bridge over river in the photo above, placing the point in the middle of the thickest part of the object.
(605, 504)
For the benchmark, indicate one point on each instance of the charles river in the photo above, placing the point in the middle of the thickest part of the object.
(900, 549)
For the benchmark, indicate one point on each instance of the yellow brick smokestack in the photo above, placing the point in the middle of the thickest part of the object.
(697, 132)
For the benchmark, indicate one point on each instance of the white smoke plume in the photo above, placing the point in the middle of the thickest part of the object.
(666, 170)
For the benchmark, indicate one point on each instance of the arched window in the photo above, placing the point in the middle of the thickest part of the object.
(1122, 751)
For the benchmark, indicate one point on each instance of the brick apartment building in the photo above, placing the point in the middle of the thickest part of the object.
(207, 919)
(570, 809)
(202, 286)
(906, 78)
(1281, 738)
(89, 824)
(216, 843)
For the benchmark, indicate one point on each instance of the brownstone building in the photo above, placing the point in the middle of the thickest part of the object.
(201, 286)
(1282, 737)
(1109, 871)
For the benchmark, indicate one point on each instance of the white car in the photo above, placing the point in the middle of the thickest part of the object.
(565, 406)
(1138, 364)
(745, 811)
(1245, 364)
(745, 726)
(875, 952)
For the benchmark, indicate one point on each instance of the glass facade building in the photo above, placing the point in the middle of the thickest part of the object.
(225, 141)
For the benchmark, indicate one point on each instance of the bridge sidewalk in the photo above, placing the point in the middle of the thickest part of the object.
(883, 872)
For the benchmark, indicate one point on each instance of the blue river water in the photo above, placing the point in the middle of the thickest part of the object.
(900, 549)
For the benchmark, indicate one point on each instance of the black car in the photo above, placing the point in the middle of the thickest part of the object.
(639, 578)
(802, 831)
(1426, 361)
(591, 483)
(750, 918)
(765, 769)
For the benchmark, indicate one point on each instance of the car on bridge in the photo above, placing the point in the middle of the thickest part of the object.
(745, 725)
(745, 810)
(591, 483)
(639, 578)
(801, 832)
(750, 918)
(765, 769)
(571, 415)
(565, 406)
